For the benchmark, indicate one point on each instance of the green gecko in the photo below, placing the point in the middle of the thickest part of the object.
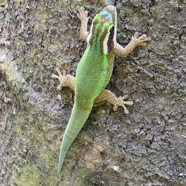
(94, 71)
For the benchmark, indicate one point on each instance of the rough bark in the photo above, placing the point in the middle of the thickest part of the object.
(146, 147)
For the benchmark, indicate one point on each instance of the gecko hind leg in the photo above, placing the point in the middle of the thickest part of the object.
(64, 80)
(116, 102)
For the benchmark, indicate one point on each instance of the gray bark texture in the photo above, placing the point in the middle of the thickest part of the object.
(147, 147)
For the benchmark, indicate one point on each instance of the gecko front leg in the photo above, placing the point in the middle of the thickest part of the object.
(83, 16)
(136, 41)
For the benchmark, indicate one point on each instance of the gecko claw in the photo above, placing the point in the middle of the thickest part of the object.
(60, 77)
(82, 13)
(140, 40)
(120, 102)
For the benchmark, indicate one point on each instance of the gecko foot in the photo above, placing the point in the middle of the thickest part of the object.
(61, 77)
(140, 40)
(120, 102)
(83, 15)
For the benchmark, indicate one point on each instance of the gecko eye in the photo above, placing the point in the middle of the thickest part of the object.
(110, 43)
(112, 29)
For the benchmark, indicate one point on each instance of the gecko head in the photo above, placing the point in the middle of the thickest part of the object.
(103, 29)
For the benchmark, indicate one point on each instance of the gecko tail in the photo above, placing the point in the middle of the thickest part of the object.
(76, 122)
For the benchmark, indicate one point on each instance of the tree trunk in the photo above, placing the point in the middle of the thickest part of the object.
(146, 147)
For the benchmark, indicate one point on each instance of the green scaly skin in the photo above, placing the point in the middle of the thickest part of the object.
(94, 72)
